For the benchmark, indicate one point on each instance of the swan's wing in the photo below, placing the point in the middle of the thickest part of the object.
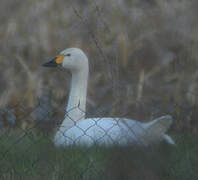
(156, 129)
(159, 125)
(151, 132)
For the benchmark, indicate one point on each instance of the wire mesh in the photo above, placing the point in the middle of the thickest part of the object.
(129, 82)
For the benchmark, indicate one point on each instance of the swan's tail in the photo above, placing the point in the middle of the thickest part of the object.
(169, 140)
(155, 130)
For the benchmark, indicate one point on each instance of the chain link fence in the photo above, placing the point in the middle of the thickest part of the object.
(28, 151)
(143, 63)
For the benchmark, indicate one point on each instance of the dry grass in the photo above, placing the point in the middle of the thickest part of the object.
(143, 55)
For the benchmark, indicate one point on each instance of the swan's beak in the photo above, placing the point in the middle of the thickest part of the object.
(54, 62)
(51, 63)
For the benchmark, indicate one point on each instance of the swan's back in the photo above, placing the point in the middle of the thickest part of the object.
(110, 131)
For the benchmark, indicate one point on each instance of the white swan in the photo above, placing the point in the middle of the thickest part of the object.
(75, 129)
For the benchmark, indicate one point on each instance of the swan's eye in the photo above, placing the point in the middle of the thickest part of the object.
(68, 54)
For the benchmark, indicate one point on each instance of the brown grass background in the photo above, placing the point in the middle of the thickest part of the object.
(142, 54)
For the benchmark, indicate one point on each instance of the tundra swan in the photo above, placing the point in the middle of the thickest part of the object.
(75, 129)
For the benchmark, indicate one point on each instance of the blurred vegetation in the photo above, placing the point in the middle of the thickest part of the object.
(143, 56)
(27, 156)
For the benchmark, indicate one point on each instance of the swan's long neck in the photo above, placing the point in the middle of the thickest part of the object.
(76, 107)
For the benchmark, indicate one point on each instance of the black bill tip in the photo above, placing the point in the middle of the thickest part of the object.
(51, 63)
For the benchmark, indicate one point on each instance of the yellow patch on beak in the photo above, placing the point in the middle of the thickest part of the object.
(59, 59)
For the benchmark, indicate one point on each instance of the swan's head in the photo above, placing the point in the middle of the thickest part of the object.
(72, 59)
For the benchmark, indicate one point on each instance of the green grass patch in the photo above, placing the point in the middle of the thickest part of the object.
(28, 156)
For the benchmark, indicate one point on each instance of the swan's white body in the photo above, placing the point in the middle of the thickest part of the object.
(75, 129)
(114, 131)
